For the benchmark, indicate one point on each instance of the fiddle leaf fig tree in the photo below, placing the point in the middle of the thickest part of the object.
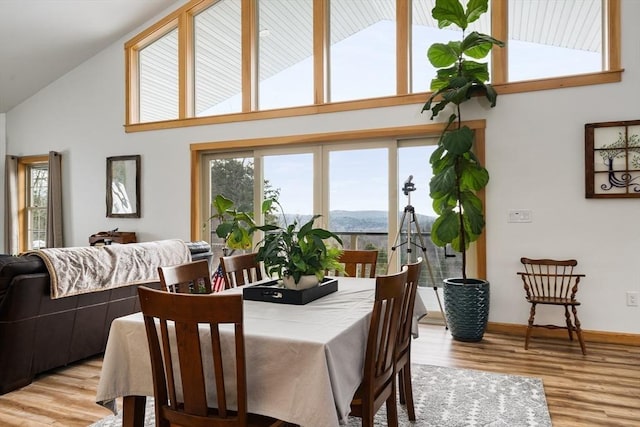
(457, 172)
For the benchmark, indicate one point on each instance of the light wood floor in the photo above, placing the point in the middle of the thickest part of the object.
(600, 389)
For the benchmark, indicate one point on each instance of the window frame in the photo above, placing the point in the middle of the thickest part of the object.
(183, 18)
(25, 164)
(477, 256)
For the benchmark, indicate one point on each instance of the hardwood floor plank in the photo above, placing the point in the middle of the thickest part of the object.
(599, 389)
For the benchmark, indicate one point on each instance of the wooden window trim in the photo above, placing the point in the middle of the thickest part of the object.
(23, 165)
(182, 18)
(402, 132)
(132, 65)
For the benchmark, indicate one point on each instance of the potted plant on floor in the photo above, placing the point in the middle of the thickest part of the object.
(457, 172)
(298, 255)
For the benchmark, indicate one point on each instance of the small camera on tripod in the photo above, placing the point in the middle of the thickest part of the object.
(408, 186)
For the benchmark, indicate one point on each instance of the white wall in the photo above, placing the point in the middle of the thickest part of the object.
(3, 152)
(535, 152)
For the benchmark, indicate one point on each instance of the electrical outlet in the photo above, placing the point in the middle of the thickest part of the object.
(632, 299)
(519, 215)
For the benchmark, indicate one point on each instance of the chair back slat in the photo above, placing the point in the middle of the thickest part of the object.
(221, 392)
(239, 270)
(189, 278)
(546, 278)
(178, 366)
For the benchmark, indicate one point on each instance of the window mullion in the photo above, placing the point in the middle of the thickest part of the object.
(320, 51)
(403, 46)
(612, 35)
(500, 31)
(249, 55)
(185, 66)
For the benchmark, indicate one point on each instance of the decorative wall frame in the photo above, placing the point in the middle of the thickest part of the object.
(123, 187)
(612, 159)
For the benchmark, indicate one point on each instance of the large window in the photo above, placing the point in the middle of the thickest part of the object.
(363, 49)
(33, 178)
(158, 79)
(257, 55)
(549, 38)
(349, 184)
(285, 59)
(218, 60)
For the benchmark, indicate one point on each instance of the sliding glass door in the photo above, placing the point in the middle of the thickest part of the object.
(374, 194)
(289, 178)
(358, 197)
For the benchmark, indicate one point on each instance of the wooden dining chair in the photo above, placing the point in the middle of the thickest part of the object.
(552, 282)
(178, 367)
(239, 270)
(403, 349)
(358, 263)
(378, 383)
(189, 278)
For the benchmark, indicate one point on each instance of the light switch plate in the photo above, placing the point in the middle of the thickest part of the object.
(520, 215)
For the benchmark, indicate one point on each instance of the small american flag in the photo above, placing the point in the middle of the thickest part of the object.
(217, 281)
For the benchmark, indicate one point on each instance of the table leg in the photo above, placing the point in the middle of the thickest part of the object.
(133, 411)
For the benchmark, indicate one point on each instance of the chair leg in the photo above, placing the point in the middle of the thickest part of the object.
(408, 392)
(367, 419)
(568, 320)
(579, 331)
(367, 412)
(392, 409)
(401, 386)
(532, 314)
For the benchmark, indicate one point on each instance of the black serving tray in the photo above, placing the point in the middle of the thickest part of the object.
(270, 292)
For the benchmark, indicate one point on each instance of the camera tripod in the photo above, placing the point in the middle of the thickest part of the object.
(409, 211)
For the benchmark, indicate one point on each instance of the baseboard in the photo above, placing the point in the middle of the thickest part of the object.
(436, 318)
(593, 336)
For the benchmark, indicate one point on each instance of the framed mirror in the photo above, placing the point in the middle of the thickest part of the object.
(123, 187)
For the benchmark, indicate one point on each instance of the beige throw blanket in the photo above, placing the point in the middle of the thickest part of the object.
(82, 270)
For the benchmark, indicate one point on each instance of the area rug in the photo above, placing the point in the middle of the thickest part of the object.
(451, 397)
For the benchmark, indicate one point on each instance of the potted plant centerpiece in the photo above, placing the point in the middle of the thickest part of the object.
(298, 255)
(457, 172)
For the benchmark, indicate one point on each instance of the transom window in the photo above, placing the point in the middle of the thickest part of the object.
(228, 60)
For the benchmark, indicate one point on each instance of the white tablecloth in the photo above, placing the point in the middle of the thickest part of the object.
(304, 363)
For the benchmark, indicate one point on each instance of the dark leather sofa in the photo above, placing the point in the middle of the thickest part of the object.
(38, 333)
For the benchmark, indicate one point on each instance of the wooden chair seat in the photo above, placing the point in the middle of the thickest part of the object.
(553, 301)
(552, 282)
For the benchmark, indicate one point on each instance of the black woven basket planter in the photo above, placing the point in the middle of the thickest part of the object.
(466, 308)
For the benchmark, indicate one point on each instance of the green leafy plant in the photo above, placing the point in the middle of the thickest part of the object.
(291, 251)
(235, 227)
(457, 172)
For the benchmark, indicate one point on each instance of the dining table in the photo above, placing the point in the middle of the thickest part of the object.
(304, 362)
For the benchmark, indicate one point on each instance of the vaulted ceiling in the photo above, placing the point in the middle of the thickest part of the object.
(41, 40)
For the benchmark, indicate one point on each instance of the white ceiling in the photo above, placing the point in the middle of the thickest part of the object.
(41, 40)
